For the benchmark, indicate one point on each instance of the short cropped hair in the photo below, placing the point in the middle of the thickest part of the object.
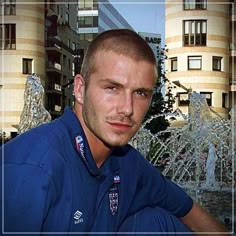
(120, 41)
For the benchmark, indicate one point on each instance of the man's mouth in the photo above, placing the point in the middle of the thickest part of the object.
(120, 125)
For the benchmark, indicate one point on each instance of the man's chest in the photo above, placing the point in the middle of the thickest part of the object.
(95, 202)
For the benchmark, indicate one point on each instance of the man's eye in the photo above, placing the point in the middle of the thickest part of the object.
(142, 93)
(112, 88)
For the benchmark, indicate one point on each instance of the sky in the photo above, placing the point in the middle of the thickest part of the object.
(143, 16)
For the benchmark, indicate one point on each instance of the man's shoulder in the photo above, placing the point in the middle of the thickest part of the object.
(42, 134)
(34, 145)
(44, 149)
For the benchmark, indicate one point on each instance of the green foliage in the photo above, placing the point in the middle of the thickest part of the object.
(160, 104)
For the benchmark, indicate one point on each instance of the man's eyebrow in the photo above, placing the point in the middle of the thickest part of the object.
(148, 90)
(117, 84)
(111, 81)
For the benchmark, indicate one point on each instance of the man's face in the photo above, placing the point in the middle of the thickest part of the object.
(117, 98)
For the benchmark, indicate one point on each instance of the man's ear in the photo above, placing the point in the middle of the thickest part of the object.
(79, 88)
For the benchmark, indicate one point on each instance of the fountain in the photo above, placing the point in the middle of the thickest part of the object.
(33, 113)
(210, 167)
(198, 156)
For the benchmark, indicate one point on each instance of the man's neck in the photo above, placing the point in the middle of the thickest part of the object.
(99, 150)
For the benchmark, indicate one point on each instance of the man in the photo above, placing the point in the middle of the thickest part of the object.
(77, 174)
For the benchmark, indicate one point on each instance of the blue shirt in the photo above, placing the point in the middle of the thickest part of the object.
(52, 184)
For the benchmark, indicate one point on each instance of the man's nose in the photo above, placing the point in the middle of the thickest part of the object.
(125, 105)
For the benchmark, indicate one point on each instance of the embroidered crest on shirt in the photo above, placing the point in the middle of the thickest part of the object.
(77, 217)
(80, 145)
(116, 179)
(113, 195)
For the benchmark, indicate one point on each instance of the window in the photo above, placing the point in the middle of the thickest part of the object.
(183, 99)
(64, 80)
(88, 21)
(7, 36)
(88, 36)
(27, 66)
(73, 69)
(195, 5)
(174, 63)
(69, 102)
(88, 5)
(195, 32)
(52, 5)
(64, 60)
(61, 12)
(194, 62)
(224, 100)
(8, 7)
(68, 43)
(67, 18)
(95, 4)
(73, 45)
(67, 4)
(208, 97)
(69, 63)
(216, 63)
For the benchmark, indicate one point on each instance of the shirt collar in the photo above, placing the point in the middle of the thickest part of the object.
(81, 145)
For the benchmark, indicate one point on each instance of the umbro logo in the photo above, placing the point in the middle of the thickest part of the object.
(77, 217)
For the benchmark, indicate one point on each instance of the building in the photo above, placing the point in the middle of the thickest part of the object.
(201, 52)
(154, 41)
(232, 58)
(61, 44)
(22, 46)
(95, 17)
(39, 38)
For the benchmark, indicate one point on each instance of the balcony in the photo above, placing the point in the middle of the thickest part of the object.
(53, 44)
(57, 108)
(53, 50)
(57, 87)
(233, 83)
(50, 7)
(53, 67)
(233, 53)
(57, 66)
(53, 47)
(232, 48)
(233, 87)
(54, 88)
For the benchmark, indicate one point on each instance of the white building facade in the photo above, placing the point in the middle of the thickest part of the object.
(198, 38)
